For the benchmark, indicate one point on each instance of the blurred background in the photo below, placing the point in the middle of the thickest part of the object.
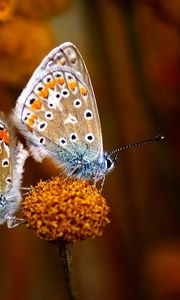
(132, 51)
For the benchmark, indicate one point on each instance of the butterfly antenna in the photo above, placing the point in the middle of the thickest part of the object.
(156, 138)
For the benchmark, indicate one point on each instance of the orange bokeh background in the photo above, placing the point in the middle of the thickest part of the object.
(132, 51)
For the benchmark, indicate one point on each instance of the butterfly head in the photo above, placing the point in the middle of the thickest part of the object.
(110, 161)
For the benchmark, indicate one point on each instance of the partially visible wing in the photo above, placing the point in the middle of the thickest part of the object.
(5, 156)
(57, 110)
(12, 159)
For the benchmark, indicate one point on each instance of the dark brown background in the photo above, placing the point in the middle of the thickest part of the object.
(132, 51)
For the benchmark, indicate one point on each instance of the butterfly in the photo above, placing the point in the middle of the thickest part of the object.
(12, 158)
(57, 113)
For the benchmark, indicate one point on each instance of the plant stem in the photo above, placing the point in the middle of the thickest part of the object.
(65, 253)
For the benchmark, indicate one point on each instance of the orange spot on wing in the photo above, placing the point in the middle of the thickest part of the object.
(72, 84)
(31, 120)
(37, 104)
(51, 84)
(62, 61)
(6, 137)
(29, 128)
(1, 134)
(83, 91)
(60, 80)
(43, 93)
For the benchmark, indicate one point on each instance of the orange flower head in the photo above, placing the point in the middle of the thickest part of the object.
(67, 209)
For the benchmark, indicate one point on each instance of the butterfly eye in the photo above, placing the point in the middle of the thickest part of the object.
(109, 163)
(88, 114)
(77, 103)
(89, 137)
(5, 163)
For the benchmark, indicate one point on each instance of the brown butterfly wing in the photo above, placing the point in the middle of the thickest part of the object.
(57, 110)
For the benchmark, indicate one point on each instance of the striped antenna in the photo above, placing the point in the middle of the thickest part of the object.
(156, 138)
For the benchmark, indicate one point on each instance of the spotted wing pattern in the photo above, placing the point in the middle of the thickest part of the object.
(57, 110)
(5, 158)
(12, 158)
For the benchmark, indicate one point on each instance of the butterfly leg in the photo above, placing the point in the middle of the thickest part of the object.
(94, 184)
(71, 173)
(25, 190)
(12, 221)
(102, 183)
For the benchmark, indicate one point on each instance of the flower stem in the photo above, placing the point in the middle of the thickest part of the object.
(65, 253)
